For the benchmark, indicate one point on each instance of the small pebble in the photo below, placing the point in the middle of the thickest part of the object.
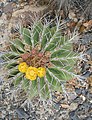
(83, 97)
(73, 116)
(90, 101)
(1, 4)
(12, 1)
(78, 91)
(72, 15)
(0, 13)
(65, 106)
(73, 106)
(84, 91)
(72, 96)
(88, 118)
(8, 8)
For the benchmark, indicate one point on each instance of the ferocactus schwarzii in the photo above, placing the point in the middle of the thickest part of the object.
(41, 59)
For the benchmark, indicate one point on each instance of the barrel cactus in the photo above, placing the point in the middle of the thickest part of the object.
(41, 59)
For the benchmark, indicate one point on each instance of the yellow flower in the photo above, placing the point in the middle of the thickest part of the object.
(31, 73)
(41, 72)
(23, 67)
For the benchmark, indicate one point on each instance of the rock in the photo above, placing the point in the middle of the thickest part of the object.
(72, 96)
(79, 100)
(73, 116)
(88, 23)
(65, 106)
(78, 91)
(87, 73)
(84, 108)
(89, 95)
(88, 118)
(1, 4)
(21, 113)
(73, 106)
(71, 15)
(12, 1)
(90, 90)
(63, 115)
(90, 80)
(90, 101)
(83, 97)
(84, 91)
(8, 8)
(0, 13)
(57, 106)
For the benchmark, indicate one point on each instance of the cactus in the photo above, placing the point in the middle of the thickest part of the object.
(41, 59)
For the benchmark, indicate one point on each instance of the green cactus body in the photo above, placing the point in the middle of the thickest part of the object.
(48, 51)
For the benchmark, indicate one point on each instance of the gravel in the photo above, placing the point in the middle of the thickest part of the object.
(74, 105)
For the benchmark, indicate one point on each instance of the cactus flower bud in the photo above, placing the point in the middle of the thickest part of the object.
(47, 54)
(33, 52)
(25, 56)
(40, 54)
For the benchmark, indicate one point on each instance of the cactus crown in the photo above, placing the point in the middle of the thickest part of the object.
(41, 59)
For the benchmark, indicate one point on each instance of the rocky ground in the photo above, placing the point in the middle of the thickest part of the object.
(75, 103)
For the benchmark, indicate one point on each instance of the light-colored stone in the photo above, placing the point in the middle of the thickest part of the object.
(73, 106)
(71, 15)
(65, 106)
(83, 97)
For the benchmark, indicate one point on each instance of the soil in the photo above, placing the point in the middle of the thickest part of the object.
(75, 103)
